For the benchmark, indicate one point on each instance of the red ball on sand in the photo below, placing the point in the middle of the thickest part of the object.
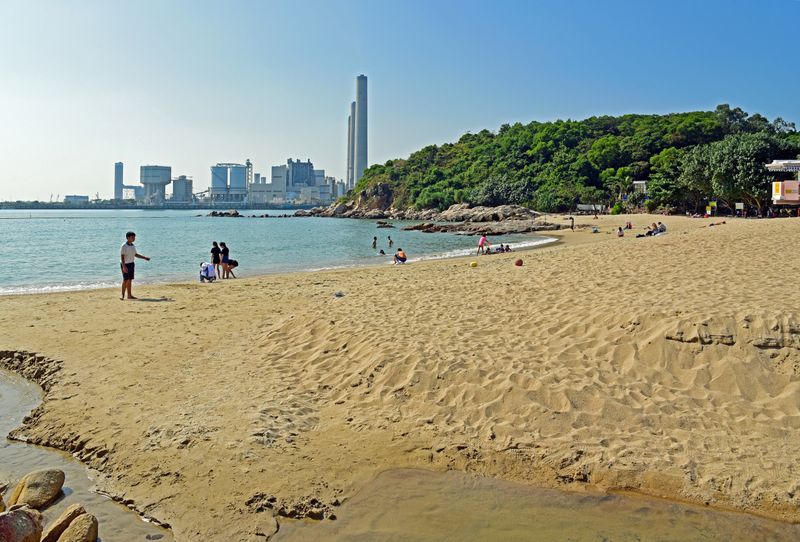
(518, 263)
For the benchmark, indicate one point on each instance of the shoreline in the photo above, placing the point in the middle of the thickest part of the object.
(613, 374)
(546, 240)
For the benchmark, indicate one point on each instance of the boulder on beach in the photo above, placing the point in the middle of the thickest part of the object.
(81, 529)
(38, 488)
(57, 527)
(22, 524)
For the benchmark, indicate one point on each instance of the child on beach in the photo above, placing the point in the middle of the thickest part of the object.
(127, 256)
(215, 256)
(400, 256)
(483, 244)
(207, 272)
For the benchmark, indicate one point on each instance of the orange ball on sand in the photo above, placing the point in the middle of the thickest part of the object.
(518, 263)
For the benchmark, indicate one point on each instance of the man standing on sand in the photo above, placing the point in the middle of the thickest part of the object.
(127, 256)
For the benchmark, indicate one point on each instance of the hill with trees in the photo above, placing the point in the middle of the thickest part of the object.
(687, 159)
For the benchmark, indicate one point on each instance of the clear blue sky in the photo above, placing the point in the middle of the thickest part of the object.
(189, 83)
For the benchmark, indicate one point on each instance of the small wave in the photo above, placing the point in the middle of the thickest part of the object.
(53, 288)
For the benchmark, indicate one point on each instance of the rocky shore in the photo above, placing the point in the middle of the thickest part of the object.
(377, 203)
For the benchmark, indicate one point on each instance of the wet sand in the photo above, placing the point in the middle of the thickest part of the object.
(666, 366)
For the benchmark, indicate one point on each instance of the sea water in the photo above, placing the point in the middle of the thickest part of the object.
(55, 250)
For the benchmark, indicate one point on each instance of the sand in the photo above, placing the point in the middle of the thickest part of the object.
(667, 366)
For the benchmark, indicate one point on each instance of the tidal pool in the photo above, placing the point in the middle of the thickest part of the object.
(416, 505)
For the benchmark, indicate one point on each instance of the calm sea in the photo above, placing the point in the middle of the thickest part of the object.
(72, 250)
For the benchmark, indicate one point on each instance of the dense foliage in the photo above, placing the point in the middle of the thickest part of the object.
(687, 159)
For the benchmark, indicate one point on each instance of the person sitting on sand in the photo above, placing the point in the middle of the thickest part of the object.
(508, 248)
(400, 256)
(628, 226)
(661, 228)
(620, 233)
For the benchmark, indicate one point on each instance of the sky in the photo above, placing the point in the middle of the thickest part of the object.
(86, 83)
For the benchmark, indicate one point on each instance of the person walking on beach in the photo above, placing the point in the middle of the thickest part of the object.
(215, 258)
(391, 243)
(483, 244)
(225, 252)
(127, 256)
(374, 242)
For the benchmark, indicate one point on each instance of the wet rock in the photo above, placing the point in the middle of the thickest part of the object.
(38, 488)
(21, 525)
(57, 527)
(82, 529)
(231, 213)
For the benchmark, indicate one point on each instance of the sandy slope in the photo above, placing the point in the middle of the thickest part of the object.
(665, 365)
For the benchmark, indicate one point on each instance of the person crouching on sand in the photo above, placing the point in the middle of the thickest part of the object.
(400, 256)
(127, 256)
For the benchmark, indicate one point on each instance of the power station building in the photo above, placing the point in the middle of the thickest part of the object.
(229, 182)
(357, 160)
(182, 190)
(155, 180)
(119, 186)
(295, 182)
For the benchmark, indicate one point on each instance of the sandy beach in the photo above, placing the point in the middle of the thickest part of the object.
(667, 366)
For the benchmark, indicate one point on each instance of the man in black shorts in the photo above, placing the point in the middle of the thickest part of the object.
(127, 256)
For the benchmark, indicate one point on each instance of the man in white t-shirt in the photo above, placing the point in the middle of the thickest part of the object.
(127, 256)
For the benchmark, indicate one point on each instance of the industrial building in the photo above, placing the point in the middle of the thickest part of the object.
(182, 190)
(295, 182)
(119, 186)
(155, 180)
(229, 182)
(357, 160)
(124, 191)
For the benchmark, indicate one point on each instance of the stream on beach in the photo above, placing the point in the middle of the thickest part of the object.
(416, 505)
(18, 397)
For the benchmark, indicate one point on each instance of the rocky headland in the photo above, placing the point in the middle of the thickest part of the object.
(377, 203)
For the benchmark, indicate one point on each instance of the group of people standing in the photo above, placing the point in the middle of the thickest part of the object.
(220, 259)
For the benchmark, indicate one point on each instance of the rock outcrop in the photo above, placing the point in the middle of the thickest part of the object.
(232, 213)
(375, 204)
(38, 488)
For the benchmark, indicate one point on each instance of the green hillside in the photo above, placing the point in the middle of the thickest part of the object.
(687, 159)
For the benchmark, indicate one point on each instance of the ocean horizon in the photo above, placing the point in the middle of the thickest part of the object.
(70, 250)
